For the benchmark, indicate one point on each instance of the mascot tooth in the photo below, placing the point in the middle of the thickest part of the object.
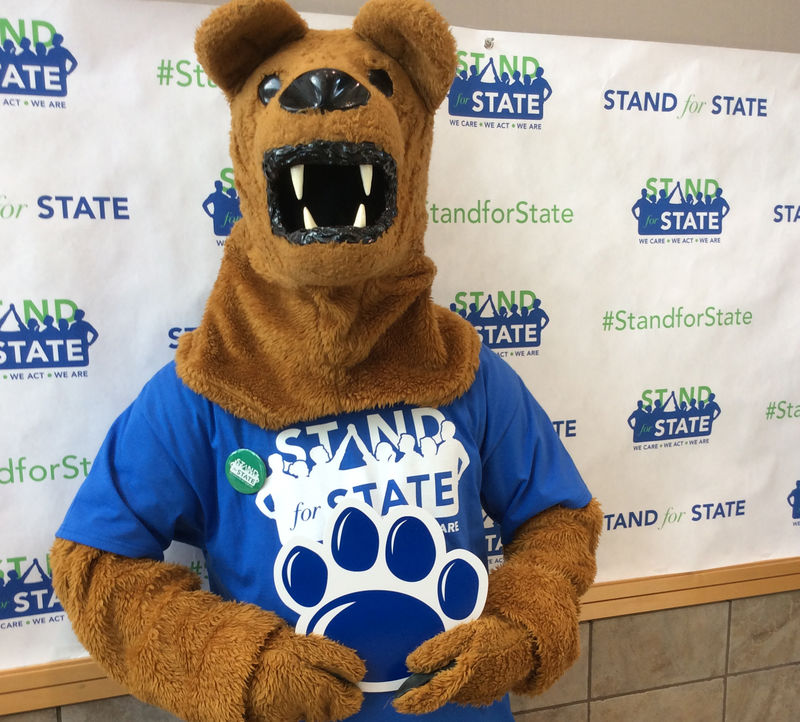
(328, 436)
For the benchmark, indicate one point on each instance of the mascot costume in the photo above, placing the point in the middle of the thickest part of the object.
(328, 436)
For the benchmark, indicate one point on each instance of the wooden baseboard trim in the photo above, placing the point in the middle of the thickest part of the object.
(648, 594)
(81, 680)
(54, 685)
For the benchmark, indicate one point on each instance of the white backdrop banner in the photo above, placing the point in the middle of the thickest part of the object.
(618, 219)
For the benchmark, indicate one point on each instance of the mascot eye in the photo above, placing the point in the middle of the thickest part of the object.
(270, 85)
(381, 80)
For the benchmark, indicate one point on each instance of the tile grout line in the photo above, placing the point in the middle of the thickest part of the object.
(589, 673)
(658, 688)
(727, 664)
(769, 668)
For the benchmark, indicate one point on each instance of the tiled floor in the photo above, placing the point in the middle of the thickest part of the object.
(725, 662)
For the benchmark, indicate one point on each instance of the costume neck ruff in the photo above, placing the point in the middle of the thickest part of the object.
(275, 355)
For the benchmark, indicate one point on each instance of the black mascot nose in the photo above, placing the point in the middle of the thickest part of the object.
(323, 89)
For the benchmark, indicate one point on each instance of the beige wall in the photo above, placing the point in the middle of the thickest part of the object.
(762, 25)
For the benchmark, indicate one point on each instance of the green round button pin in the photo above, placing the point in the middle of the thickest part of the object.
(245, 471)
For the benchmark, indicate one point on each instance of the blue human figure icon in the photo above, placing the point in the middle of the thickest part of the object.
(665, 201)
(794, 501)
(539, 85)
(26, 55)
(711, 407)
(49, 330)
(216, 207)
(474, 75)
(14, 583)
(538, 316)
(60, 56)
(8, 588)
(8, 51)
(83, 329)
(460, 311)
(638, 416)
(641, 205)
(658, 409)
(718, 203)
(644, 212)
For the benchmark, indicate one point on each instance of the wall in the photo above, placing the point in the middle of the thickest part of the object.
(768, 25)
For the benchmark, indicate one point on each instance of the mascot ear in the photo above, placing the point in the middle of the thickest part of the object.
(418, 38)
(238, 36)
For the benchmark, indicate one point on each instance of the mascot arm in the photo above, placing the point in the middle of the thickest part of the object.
(527, 635)
(186, 650)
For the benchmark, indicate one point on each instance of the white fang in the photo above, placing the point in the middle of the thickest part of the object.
(366, 178)
(308, 219)
(298, 172)
(361, 216)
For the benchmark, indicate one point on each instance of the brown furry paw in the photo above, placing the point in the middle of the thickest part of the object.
(310, 678)
(491, 655)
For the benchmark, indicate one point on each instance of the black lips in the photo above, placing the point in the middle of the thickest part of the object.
(338, 202)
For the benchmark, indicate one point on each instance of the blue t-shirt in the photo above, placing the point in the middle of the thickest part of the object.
(368, 527)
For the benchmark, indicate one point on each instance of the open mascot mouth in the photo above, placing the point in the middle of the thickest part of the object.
(330, 192)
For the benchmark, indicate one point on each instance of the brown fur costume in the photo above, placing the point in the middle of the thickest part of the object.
(295, 330)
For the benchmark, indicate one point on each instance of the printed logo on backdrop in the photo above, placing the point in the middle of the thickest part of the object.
(497, 90)
(26, 593)
(653, 519)
(668, 418)
(34, 61)
(44, 340)
(176, 332)
(786, 213)
(406, 457)
(644, 101)
(674, 211)
(86, 207)
(222, 206)
(21, 470)
(794, 502)
(507, 321)
(69, 207)
(494, 544)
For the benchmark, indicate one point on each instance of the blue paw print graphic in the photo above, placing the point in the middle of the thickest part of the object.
(380, 585)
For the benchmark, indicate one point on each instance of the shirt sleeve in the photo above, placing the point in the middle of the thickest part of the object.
(526, 468)
(140, 493)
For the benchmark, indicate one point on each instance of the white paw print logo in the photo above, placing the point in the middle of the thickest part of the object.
(380, 585)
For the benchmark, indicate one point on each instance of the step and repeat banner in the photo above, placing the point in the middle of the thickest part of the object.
(619, 220)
